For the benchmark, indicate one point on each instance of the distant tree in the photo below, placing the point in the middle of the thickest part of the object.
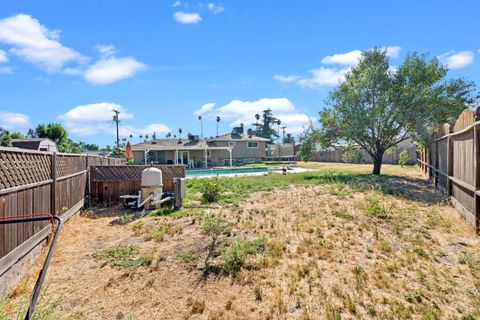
(377, 107)
(31, 133)
(307, 143)
(7, 136)
(289, 138)
(55, 132)
(265, 128)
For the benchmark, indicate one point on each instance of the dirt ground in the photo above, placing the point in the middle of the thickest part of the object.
(334, 251)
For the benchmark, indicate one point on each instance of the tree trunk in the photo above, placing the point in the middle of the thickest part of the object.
(377, 162)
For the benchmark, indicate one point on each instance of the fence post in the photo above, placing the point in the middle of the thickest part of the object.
(476, 157)
(449, 164)
(436, 165)
(87, 189)
(53, 189)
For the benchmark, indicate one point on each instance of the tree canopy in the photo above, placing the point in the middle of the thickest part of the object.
(378, 106)
(266, 127)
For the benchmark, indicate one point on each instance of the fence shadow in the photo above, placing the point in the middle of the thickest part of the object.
(409, 188)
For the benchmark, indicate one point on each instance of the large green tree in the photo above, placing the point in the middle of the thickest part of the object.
(266, 127)
(57, 133)
(378, 106)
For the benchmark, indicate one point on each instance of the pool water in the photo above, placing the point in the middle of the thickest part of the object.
(210, 172)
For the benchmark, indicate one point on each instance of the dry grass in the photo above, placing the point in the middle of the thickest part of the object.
(329, 251)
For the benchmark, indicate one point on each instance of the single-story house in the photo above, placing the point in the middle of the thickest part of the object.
(195, 152)
(39, 144)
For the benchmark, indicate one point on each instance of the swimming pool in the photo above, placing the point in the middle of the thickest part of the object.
(226, 171)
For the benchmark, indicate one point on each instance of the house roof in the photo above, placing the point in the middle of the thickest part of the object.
(32, 144)
(170, 144)
(238, 137)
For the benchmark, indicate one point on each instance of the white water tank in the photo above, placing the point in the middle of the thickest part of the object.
(152, 177)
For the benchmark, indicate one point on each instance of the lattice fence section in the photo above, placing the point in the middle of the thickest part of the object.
(130, 173)
(21, 168)
(102, 161)
(69, 164)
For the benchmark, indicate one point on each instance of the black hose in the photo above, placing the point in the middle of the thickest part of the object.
(43, 272)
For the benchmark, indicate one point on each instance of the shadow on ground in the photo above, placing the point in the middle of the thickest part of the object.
(406, 187)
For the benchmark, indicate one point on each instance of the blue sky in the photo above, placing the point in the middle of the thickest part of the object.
(162, 63)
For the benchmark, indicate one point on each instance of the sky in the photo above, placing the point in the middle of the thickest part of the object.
(163, 63)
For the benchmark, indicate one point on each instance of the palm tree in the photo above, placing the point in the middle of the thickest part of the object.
(201, 126)
(218, 120)
(168, 135)
(180, 133)
(278, 126)
(257, 116)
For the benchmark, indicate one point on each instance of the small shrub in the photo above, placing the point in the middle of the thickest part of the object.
(125, 218)
(213, 227)
(351, 154)
(375, 208)
(404, 157)
(168, 229)
(162, 212)
(211, 191)
(235, 255)
(188, 257)
(123, 256)
(258, 293)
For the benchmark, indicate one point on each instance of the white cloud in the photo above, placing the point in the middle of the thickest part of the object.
(13, 120)
(456, 60)
(96, 118)
(36, 44)
(207, 107)
(32, 41)
(347, 59)
(187, 18)
(112, 69)
(320, 77)
(214, 8)
(177, 4)
(3, 56)
(393, 51)
(332, 76)
(286, 79)
(106, 50)
(238, 111)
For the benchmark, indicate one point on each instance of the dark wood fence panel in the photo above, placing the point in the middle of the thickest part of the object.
(108, 183)
(26, 184)
(452, 163)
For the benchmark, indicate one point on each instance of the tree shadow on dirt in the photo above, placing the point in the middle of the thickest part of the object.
(413, 189)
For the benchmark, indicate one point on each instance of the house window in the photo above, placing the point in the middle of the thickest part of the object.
(231, 143)
(226, 162)
(209, 153)
(252, 144)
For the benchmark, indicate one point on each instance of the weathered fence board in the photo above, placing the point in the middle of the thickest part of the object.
(388, 158)
(108, 183)
(452, 163)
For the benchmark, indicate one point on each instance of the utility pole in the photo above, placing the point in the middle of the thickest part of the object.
(283, 133)
(115, 119)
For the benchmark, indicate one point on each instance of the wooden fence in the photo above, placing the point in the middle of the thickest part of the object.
(110, 182)
(388, 158)
(452, 164)
(34, 182)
